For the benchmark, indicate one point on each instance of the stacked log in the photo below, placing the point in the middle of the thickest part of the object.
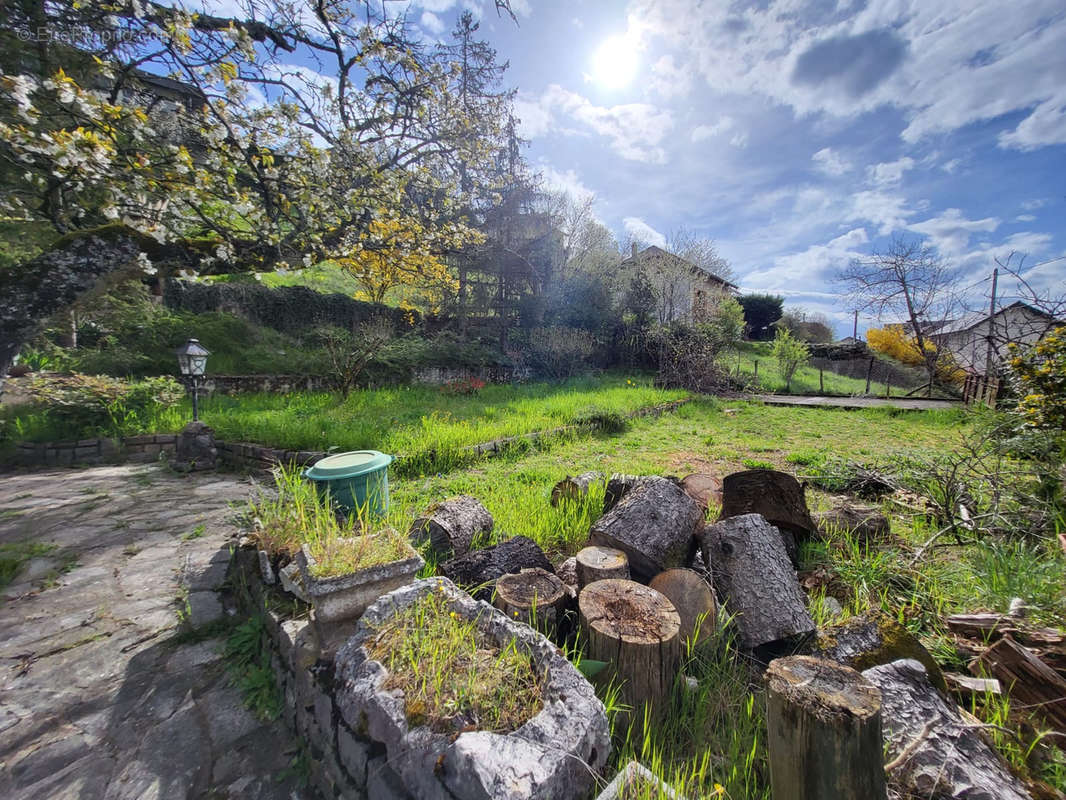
(595, 563)
(451, 525)
(691, 595)
(754, 578)
(933, 751)
(706, 490)
(534, 596)
(636, 630)
(478, 570)
(654, 524)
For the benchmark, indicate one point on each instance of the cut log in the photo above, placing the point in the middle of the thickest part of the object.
(755, 580)
(574, 488)
(617, 486)
(776, 495)
(567, 572)
(933, 751)
(706, 490)
(478, 570)
(654, 523)
(1028, 680)
(596, 563)
(823, 731)
(866, 523)
(451, 525)
(691, 595)
(533, 596)
(636, 630)
(869, 640)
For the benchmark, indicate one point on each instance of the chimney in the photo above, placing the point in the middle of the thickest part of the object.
(633, 246)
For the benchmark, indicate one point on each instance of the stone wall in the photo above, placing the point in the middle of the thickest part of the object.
(320, 681)
(439, 376)
(94, 451)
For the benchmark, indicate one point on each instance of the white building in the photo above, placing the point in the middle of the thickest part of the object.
(974, 338)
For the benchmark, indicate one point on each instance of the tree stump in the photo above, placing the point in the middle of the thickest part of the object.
(706, 490)
(636, 630)
(654, 523)
(596, 563)
(533, 596)
(692, 597)
(617, 486)
(451, 525)
(755, 580)
(823, 731)
(776, 495)
(574, 488)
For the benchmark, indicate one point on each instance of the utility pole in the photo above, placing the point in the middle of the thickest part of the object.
(855, 327)
(991, 322)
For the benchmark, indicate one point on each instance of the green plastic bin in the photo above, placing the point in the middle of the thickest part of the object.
(358, 481)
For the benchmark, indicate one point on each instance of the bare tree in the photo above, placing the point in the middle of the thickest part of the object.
(910, 282)
(699, 251)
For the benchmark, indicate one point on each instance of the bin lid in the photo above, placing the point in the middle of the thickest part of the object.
(348, 465)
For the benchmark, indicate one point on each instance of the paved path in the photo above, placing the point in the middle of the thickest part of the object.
(856, 402)
(97, 697)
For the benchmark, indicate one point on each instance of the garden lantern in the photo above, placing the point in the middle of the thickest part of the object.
(192, 360)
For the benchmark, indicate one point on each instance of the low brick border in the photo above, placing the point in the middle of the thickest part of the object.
(247, 455)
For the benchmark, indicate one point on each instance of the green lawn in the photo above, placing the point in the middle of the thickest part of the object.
(409, 420)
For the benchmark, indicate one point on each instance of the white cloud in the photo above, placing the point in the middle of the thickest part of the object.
(950, 166)
(945, 65)
(643, 232)
(829, 162)
(849, 240)
(1025, 218)
(1032, 205)
(567, 181)
(888, 212)
(533, 118)
(431, 22)
(634, 130)
(724, 125)
(889, 173)
(668, 80)
(951, 232)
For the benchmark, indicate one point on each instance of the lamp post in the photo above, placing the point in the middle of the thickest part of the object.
(192, 360)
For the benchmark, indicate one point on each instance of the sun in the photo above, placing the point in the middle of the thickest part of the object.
(615, 63)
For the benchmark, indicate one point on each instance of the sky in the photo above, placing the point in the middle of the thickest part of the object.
(801, 134)
(798, 134)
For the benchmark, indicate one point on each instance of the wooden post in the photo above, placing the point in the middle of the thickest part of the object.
(756, 369)
(533, 596)
(823, 731)
(821, 382)
(635, 629)
(869, 373)
(888, 387)
(596, 563)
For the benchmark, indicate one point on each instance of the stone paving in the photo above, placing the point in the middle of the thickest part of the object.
(99, 696)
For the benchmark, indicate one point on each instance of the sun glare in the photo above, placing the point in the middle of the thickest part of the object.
(615, 64)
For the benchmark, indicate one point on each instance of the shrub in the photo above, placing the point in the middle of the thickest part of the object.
(95, 404)
(688, 358)
(791, 354)
(1040, 374)
(559, 351)
(468, 386)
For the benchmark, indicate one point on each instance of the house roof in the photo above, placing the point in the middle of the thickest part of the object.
(654, 252)
(970, 321)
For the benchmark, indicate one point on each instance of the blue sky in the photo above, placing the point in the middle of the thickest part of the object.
(798, 134)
